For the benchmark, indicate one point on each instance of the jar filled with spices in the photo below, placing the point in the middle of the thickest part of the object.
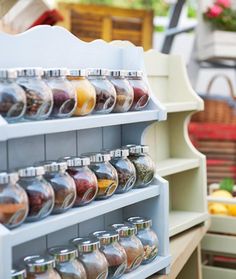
(18, 273)
(105, 91)
(67, 264)
(140, 87)
(14, 205)
(145, 167)
(40, 193)
(85, 180)
(114, 253)
(62, 183)
(147, 236)
(124, 91)
(106, 174)
(85, 92)
(41, 267)
(64, 95)
(132, 245)
(93, 260)
(38, 94)
(12, 96)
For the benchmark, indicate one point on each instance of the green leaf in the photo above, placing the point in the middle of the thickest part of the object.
(227, 184)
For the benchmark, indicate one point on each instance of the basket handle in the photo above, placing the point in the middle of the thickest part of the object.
(228, 80)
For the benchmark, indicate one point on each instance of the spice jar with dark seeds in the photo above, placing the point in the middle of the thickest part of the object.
(12, 96)
(141, 90)
(125, 169)
(67, 264)
(105, 91)
(38, 94)
(114, 253)
(93, 260)
(40, 193)
(64, 94)
(41, 267)
(147, 236)
(18, 273)
(85, 180)
(145, 167)
(106, 174)
(62, 183)
(14, 205)
(132, 245)
(124, 91)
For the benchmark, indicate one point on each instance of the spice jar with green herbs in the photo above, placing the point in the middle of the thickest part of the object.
(18, 273)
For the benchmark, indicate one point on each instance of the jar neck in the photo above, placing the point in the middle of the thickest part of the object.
(30, 78)
(97, 77)
(134, 78)
(7, 80)
(76, 78)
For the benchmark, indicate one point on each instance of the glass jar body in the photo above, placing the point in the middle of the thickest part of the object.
(86, 184)
(71, 270)
(48, 274)
(41, 197)
(14, 205)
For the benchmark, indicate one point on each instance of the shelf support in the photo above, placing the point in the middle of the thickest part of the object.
(5, 253)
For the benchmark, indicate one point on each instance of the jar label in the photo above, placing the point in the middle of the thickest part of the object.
(148, 177)
(120, 270)
(141, 102)
(130, 183)
(45, 209)
(137, 261)
(15, 217)
(88, 195)
(67, 200)
(107, 104)
(102, 275)
(150, 252)
(110, 189)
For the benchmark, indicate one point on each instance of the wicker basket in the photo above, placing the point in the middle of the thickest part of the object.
(218, 109)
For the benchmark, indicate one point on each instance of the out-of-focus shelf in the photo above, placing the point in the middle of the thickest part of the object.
(181, 106)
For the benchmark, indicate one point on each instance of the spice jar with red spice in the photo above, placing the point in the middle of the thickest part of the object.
(85, 180)
(40, 192)
(140, 87)
(13, 201)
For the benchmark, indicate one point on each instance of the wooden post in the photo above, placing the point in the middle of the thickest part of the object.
(5, 6)
(147, 30)
(107, 29)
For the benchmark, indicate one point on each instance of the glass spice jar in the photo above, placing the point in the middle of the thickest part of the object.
(62, 184)
(85, 180)
(14, 204)
(124, 91)
(64, 95)
(147, 236)
(38, 94)
(41, 267)
(93, 260)
(114, 253)
(85, 92)
(125, 169)
(145, 167)
(140, 88)
(106, 174)
(39, 191)
(12, 96)
(132, 245)
(18, 273)
(67, 264)
(105, 91)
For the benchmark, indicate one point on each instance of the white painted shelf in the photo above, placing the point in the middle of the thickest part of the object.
(180, 221)
(180, 106)
(174, 165)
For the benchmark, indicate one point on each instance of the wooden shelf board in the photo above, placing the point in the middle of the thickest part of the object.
(174, 165)
(181, 106)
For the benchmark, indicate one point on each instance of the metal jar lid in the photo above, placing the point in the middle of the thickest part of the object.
(118, 73)
(5, 177)
(97, 72)
(39, 263)
(133, 73)
(99, 157)
(77, 73)
(125, 229)
(77, 161)
(137, 149)
(55, 72)
(107, 237)
(63, 253)
(18, 273)
(29, 72)
(140, 222)
(54, 166)
(120, 152)
(87, 244)
(31, 171)
(8, 73)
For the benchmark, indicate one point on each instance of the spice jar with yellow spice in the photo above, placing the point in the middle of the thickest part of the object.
(85, 92)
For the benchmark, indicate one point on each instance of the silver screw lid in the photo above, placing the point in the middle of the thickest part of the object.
(118, 73)
(55, 72)
(125, 230)
(98, 157)
(107, 237)
(8, 73)
(97, 72)
(29, 72)
(77, 73)
(140, 222)
(133, 73)
(87, 244)
(18, 273)
(5, 177)
(120, 152)
(53, 166)
(137, 149)
(63, 253)
(38, 263)
(77, 161)
(31, 171)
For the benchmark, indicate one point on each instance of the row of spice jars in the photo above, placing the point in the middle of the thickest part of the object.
(37, 94)
(104, 254)
(55, 186)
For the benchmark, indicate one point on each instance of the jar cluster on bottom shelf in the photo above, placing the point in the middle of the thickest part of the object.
(53, 187)
(104, 254)
(37, 94)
